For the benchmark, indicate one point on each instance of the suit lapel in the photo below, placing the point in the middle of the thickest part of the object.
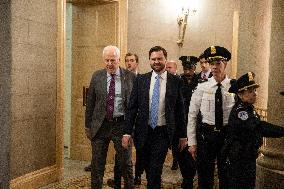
(169, 85)
(122, 79)
(147, 86)
(103, 87)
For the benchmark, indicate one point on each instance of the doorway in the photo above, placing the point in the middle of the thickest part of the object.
(90, 26)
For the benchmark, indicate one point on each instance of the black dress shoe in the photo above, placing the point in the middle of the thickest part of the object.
(88, 168)
(137, 180)
(174, 165)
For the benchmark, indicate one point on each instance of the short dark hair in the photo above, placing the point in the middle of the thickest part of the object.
(130, 54)
(157, 49)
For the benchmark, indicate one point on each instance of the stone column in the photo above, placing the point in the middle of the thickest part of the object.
(270, 166)
(5, 92)
(254, 42)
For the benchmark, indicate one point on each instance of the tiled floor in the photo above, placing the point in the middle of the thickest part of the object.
(75, 168)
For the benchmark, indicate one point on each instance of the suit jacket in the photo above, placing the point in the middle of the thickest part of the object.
(97, 96)
(138, 108)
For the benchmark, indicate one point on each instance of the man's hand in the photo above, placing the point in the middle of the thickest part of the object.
(125, 141)
(192, 151)
(88, 133)
(182, 143)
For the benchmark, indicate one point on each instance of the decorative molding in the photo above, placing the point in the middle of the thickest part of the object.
(36, 179)
(122, 16)
(61, 15)
(234, 60)
(90, 2)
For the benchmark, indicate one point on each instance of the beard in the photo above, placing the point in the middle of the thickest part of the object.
(157, 67)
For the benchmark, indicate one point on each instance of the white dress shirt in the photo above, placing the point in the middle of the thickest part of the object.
(205, 74)
(118, 101)
(161, 110)
(203, 99)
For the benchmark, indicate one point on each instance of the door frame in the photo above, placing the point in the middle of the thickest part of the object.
(54, 173)
(121, 40)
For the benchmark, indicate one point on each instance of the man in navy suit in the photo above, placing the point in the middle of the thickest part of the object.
(156, 109)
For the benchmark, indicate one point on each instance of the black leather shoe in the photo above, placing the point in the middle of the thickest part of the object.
(137, 180)
(174, 165)
(88, 168)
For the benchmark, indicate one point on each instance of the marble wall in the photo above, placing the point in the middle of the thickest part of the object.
(5, 92)
(33, 85)
(154, 22)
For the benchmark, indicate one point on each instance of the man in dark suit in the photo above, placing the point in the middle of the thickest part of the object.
(205, 69)
(156, 109)
(107, 100)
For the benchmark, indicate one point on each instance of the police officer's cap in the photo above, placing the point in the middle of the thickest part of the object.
(188, 61)
(217, 53)
(245, 82)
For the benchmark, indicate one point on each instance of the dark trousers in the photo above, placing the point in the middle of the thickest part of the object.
(186, 164)
(117, 171)
(100, 143)
(139, 163)
(155, 150)
(209, 145)
(242, 174)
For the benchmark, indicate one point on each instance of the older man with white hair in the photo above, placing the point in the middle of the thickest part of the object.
(106, 105)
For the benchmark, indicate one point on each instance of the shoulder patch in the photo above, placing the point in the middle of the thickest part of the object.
(243, 115)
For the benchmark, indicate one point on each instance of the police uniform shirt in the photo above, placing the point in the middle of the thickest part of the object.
(203, 99)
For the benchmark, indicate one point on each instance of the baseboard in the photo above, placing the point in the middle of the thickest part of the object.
(36, 179)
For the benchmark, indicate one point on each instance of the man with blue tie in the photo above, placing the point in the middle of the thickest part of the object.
(157, 111)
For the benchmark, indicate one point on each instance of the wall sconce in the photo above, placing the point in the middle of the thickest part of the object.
(182, 22)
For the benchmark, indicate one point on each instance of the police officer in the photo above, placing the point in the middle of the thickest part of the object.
(190, 79)
(185, 160)
(244, 135)
(213, 102)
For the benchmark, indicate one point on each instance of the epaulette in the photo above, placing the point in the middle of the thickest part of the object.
(240, 107)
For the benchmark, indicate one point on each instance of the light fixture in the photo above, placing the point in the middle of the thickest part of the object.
(182, 21)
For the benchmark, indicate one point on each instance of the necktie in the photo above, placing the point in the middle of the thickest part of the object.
(110, 97)
(218, 108)
(155, 103)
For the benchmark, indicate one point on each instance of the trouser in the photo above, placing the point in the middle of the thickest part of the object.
(139, 163)
(155, 150)
(100, 143)
(209, 145)
(241, 174)
(186, 164)
(117, 171)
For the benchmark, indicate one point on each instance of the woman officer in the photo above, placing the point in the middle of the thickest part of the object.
(244, 135)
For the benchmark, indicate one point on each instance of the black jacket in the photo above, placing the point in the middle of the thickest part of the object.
(138, 108)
